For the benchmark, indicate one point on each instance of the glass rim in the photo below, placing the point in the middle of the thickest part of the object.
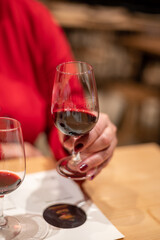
(11, 120)
(69, 62)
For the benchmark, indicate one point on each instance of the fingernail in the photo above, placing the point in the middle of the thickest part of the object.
(92, 177)
(83, 167)
(78, 147)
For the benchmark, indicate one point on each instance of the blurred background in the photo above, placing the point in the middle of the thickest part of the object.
(122, 41)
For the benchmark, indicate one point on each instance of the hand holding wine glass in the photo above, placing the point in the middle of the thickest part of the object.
(12, 170)
(96, 147)
(75, 109)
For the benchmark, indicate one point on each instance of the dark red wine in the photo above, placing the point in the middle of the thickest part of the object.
(74, 122)
(9, 181)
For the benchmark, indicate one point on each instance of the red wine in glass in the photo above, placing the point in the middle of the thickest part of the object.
(12, 171)
(74, 109)
(74, 122)
(9, 181)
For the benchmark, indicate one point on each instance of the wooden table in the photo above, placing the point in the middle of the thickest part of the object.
(127, 191)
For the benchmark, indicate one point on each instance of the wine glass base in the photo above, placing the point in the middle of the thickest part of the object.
(68, 170)
(33, 227)
(11, 229)
(64, 216)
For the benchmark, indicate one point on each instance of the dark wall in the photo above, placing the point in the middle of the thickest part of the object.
(147, 6)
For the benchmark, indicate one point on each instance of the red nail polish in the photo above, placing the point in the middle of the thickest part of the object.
(78, 147)
(83, 167)
(92, 177)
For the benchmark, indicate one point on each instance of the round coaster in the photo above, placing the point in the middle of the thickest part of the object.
(64, 215)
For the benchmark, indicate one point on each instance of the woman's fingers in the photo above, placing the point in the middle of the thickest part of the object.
(96, 147)
(96, 159)
(98, 138)
(87, 140)
(103, 141)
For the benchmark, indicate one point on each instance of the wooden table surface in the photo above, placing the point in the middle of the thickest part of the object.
(127, 191)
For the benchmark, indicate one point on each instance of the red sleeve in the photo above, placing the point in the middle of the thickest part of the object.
(15, 103)
(57, 50)
(32, 44)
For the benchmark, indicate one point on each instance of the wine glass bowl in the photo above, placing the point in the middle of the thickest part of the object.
(74, 109)
(12, 170)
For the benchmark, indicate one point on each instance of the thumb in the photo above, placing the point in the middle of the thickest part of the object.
(68, 143)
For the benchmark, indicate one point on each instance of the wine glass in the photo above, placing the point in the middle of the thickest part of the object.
(12, 170)
(75, 109)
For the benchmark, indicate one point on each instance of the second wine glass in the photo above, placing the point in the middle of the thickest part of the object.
(75, 109)
(12, 171)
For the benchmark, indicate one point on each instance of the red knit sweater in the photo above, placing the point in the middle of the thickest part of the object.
(31, 46)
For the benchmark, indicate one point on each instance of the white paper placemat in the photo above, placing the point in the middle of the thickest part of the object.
(40, 190)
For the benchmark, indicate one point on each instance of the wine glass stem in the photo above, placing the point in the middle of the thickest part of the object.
(3, 221)
(76, 157)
